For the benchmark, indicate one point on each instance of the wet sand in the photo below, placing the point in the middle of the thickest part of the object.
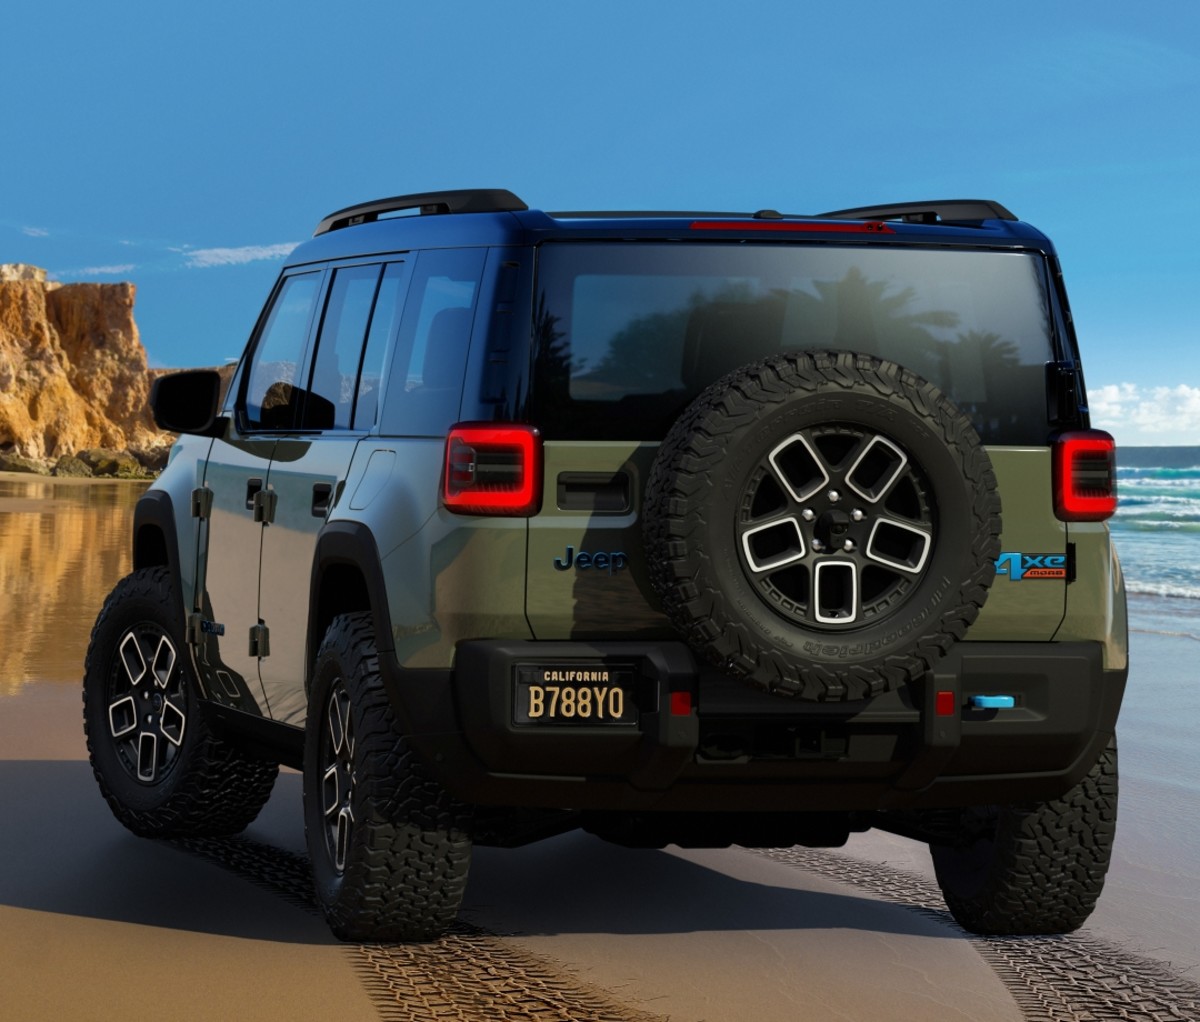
(97, 924)
(1151, 899)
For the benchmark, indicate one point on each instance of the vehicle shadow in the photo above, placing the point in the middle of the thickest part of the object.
(63, 852)
(579, 884)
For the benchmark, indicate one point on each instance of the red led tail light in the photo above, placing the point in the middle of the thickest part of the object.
(492, 470)
(1085, 476)
(806, 226)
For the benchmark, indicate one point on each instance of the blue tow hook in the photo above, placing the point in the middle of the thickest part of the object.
(993, 702)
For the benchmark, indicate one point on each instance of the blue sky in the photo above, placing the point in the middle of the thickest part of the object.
(186, 148)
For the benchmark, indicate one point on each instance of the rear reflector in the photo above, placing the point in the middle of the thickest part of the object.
(1085, 476)
(946, 704)
(681, 704)
(492, 470)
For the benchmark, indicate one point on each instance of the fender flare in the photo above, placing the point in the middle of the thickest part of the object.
(349, 544)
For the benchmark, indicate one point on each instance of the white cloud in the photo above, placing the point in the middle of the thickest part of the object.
(1147, 415)
(104, 271)
(205, 257)
(35, 232)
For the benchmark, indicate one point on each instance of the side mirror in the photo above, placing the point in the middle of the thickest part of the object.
(188, 402)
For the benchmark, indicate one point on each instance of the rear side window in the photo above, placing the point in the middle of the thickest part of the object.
(385, 321)
(425, 379)
(626, 335)
(334, 378)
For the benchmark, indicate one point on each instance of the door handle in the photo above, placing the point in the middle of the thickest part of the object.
(320, 499)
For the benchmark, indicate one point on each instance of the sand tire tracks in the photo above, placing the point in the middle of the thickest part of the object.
(472, 975)
(469, 975)
(1071, 978)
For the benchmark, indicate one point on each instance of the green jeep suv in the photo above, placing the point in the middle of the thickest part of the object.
(691, 528)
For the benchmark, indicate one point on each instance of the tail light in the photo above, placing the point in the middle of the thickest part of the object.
(493, 470)
(1085, 476)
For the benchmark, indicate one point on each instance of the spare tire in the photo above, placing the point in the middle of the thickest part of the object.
(822, 524)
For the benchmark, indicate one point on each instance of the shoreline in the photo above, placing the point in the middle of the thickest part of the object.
(68, 480)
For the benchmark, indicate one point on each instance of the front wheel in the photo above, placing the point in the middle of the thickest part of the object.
(1033, 869)
(159, 767)
(390, 848)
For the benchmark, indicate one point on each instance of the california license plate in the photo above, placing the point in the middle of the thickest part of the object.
(586, 695)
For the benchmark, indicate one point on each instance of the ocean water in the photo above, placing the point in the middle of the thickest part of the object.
(1157, 534)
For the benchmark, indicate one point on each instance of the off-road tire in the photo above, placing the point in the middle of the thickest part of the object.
(406, 847)
(201, 786)
(701, 492)
(1033, 869)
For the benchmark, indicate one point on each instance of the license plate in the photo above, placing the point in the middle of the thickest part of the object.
(573, 694)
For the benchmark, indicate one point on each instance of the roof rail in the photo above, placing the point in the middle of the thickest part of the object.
(466, 200)
(936, 211)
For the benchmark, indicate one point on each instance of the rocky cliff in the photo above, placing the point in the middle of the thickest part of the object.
(73, 372)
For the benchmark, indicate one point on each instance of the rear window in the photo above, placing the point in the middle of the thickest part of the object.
(627, 334)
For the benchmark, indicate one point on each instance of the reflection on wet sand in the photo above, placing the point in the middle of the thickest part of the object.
(63, 545)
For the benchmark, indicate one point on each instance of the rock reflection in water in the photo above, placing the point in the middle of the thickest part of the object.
(63, 545)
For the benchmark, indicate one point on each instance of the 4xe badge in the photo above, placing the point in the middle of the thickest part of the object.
(1019, 567)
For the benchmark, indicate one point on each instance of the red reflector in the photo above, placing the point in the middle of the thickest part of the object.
(681, 704)
(1085, 476)
(946, 704)
(808, 226)
(492, 470)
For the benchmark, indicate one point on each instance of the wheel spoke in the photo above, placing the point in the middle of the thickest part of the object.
(122, 717)
(900, 545)
(147, 766)
(331, 788)
(876, 468)
(341, 842)
(164, 662)
(348, 728)
(132, 659)
(799, 467)
(773, 544)
(337, 722)
(835, 592)
(172, 723)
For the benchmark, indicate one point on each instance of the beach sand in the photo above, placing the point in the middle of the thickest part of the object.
(98, 924)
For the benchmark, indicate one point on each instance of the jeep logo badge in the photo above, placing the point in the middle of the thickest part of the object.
(608, 561)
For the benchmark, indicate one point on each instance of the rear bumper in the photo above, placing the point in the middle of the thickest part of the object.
(737, 749)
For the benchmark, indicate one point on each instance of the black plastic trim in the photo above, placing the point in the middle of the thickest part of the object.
(259, 736)
(465, 200)
(156, 510)
(887, 753)
(931, 212)
(351, 544)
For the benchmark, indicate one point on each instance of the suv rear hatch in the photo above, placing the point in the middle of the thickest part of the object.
(628, 333)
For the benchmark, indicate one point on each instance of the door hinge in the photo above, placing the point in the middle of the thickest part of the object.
(260, 640)
(264, 506)
(194, 620)
(202, 502)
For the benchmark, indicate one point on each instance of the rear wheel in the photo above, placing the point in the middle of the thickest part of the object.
(390, 848)
(1036, 868)
(159, 767)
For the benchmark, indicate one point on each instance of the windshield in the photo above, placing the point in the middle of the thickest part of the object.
(627, 334)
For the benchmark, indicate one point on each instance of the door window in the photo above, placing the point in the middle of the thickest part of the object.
(273, 390)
